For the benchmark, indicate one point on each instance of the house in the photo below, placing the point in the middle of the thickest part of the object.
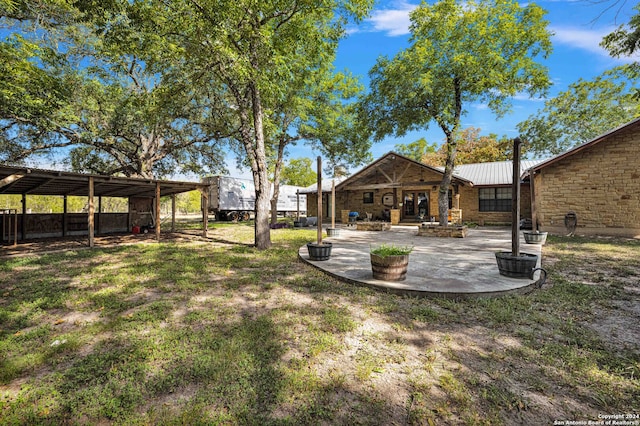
(400, 189)
(598, 181)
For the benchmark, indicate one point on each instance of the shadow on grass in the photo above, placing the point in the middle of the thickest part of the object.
(187, 334)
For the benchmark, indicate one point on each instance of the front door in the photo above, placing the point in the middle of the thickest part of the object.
(415, 206)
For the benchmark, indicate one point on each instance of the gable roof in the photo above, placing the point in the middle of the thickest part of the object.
(390, 158)
(585, 145)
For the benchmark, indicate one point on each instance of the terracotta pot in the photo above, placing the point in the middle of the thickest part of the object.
(319, 251)
(389, 268)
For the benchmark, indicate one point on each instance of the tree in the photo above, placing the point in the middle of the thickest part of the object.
(318, 109)
(459, 53)
(416, 150)
(110, 97)
(255, 51)
(298, 172)
(625, 40)
(584, 111)
(472, 148)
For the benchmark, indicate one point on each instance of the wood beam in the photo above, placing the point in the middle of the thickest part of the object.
(389, 186)
(404, 171)
(11, 179)
(384, 174)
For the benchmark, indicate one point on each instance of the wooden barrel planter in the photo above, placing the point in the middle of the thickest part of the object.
(319, 251)
(333, 232)
(535, 237)
(389, 268)
(516, 266)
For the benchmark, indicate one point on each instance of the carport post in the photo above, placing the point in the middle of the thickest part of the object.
(23, 223)
(158, 211)
(65, 216)
(204, 196)
(91, 211)
(173, 212)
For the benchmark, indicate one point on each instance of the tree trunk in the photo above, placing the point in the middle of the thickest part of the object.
(443, 193)
(260, 175)
(452, 145)
(276, 181)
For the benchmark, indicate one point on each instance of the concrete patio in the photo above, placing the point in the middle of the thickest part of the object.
(438, 267)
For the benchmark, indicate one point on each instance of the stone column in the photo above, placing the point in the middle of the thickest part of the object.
(395, 216)
(344, 216)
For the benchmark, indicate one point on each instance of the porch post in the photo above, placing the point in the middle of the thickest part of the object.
(91, 212)
(534, 216)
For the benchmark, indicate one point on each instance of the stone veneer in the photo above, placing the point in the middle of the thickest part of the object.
(601, 184)
(373, 226)
(435, 230)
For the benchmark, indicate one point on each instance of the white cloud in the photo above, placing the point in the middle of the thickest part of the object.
(588, 40)
(394, 20)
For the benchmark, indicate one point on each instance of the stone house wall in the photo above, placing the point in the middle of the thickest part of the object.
(601, 184)
(470, 205)
(417, 180)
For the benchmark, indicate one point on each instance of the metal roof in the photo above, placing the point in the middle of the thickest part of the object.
(326, 185)
(30, 181)
(493, 173)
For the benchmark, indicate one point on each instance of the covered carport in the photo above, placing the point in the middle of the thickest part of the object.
(30, 181)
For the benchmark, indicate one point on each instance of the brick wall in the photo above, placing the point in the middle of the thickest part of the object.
(601, 184)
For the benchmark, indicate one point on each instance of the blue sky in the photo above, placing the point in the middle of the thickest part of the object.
(577, 27)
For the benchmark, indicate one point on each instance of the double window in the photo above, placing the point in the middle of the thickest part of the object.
(495, 199)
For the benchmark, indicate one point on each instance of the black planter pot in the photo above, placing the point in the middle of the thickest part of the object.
(535, 237)
(516, 266)
(319, 251)
(333, 232)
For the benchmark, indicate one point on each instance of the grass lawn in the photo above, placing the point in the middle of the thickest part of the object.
(220, 333)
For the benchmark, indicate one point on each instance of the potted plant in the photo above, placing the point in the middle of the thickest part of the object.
(390, 262)
(319, 250)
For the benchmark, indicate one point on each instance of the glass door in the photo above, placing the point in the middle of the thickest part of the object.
(415, 206)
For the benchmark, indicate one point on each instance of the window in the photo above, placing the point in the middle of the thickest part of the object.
(495, 199)
(367, 198)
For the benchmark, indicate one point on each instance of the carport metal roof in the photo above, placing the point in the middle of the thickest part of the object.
(30, 181)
